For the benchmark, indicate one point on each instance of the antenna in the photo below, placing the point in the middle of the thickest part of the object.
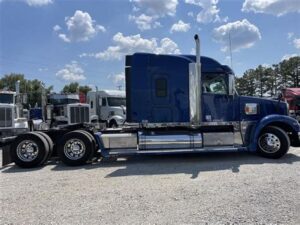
(230, 50)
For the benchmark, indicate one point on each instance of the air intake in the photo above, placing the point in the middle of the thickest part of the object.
(6, 117)
(79, 114)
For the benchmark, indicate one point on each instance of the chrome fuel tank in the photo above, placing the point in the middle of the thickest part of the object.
(169, 141)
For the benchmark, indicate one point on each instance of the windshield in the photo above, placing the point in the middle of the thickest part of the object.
(6, 98)
(113, 101)
(63, 101)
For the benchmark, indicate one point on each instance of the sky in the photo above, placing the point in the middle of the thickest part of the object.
(63, 41)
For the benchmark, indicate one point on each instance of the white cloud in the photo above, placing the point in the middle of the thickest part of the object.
(56, 28)
(38, 2)
(296, 43)
(71, 72)
(43, 69)
(242, 33)
(135, 43)
(64, 38)
(156, 7)
(209, 11)
(118, 78)
(180, 26)
(193, 51)
(145, 22)
(167, 46)
(80, 27)
(34, 3)
(273, 7)
(288, 56)
(290, 35)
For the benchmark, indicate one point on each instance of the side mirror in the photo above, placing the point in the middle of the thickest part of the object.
(231, 84)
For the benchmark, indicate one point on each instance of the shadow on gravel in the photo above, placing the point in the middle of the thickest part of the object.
(192, 164)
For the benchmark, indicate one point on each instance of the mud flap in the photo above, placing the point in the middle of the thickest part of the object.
(6, 158)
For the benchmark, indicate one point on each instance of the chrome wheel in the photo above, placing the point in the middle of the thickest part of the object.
(27, 150)
(74, 149)
(269, 143)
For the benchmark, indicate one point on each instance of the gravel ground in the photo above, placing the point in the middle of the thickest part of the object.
(223, 188)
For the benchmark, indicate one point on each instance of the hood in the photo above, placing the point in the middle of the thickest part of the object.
(118, 110)
(265, 106)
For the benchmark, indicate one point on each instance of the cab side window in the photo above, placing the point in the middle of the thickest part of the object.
(215, 84)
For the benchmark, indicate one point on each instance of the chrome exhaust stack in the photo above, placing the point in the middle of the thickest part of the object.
(195, 90)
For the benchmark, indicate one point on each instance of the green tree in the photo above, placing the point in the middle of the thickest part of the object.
(84, 89)
(268, 81)
(32, 88)
(71, 88)
(74, 87)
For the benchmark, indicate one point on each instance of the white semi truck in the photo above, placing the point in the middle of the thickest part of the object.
(12, 123)
(60, 110)
(108, 107)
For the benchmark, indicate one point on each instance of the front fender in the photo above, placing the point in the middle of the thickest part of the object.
(119, 119)
(264, 122)
(94, 117)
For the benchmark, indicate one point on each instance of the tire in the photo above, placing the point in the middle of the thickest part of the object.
(92, 139)
(50, 144)
(21, 150)
(113, 124)
(81, 152)
(273, 143)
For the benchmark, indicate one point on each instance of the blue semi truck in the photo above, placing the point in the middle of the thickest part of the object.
(175, 104)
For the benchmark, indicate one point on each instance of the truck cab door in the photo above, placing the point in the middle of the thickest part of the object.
(91, 100)
(217, 104)
(104, 108)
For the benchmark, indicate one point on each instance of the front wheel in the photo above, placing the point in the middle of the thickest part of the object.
(273, 143)
(113, 124)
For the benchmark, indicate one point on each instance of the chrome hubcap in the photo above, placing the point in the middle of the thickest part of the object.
(27, 150)
(74, 149)
(269, 143)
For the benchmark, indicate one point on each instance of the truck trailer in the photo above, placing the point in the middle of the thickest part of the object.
(292, 96)
(175, 104)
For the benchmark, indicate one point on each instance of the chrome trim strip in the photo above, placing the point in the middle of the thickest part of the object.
(169, 151)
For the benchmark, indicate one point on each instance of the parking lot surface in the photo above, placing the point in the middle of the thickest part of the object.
(218, 188)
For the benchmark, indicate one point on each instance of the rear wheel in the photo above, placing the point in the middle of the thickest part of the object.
(29, 150)
(273, 143)
(76, 148)
(50, 143)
